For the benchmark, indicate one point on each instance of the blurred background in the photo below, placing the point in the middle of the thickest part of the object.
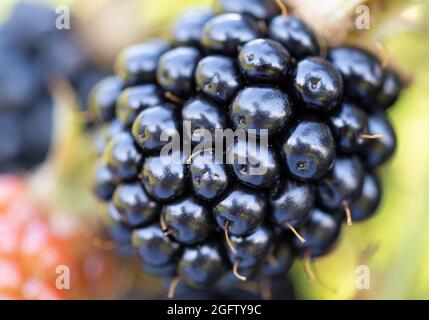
(45, 205)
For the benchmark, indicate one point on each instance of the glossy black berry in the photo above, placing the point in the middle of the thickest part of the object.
(201, 266)
(123, 157)
(390, 89)
(134, 205)
(118, 232)
(104, 183)
(187, 220)
(189, 27)
(264, 60)
(164, 177)
(105, 133)
(241, 210)
(138, 63)
(175, 72)
(153, 246)
(292, 204)
(361, 71)
(283, 259)
(155, 126)
(225, 33)
(209, 178)
(135, 99)
(318, 84)
(218, 77)
(254, 163)
(102, 100)
(309, 150)
(264, 110)
(258, 9)
(84, 81)
(381, 149)
(350, 126)
(367, 203)
(320, 234)
(343, 184)
(294, 35)
(202, 113)
(251, 249)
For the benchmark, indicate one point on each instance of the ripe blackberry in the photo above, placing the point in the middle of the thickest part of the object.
(350, 125)
(218, 77)
(294, 35)
(138, 64)
(202, 113)
(318, 84)
(343, 183)
(264, 60)
(33, 54)
(175, 72)
(241, 211)
(368, 201)
(102, 100)
(309, 150)
(133, 100)
(188, 221)
(306, 136)
(225, 33)
(209, 179)
(260, 108)
(123, 157)
(320, 234)
(251, 152)
(134, 205)
(292, 204)
(188, 28)
(151, 123)
(362, 73)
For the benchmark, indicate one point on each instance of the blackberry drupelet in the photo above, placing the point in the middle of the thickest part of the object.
(210, 220)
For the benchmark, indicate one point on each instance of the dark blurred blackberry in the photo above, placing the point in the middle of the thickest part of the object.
(207, 223)
(33, 54)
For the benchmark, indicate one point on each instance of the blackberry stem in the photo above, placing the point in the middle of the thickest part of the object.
(173, 286)
(371, 136)
(173, 98)
(346, 206)
(228, 240)
(282, 7)
(235, 270)
(165, 229)
(300, 238)
(164, 226)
